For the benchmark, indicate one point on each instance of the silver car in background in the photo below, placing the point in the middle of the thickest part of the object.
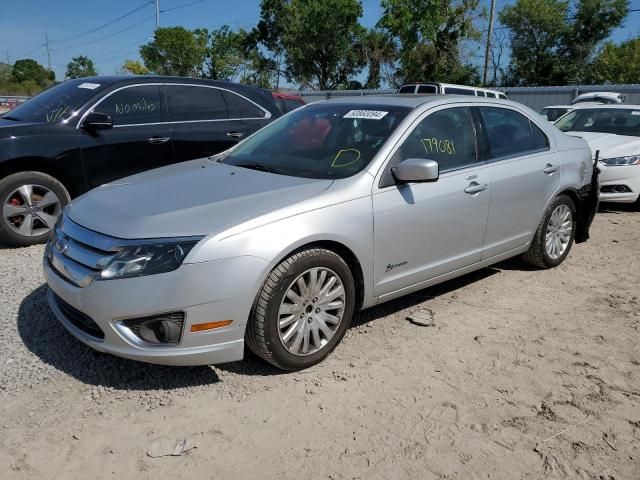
(333, 208)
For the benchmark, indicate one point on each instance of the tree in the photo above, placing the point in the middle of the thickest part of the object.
(380, 50)
(554, 41)
(499, 46)
(322, 42)
(430, 34)
(176, 51)
(80, 67)
(617, 63)
(134, 67)
(29, 70)
(227, 53)
(269, 34)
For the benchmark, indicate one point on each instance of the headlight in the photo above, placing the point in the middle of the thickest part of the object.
(620, 161)
(147, 259)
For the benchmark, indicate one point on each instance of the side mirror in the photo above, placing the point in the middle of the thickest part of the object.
(97, 121)
(416, 170)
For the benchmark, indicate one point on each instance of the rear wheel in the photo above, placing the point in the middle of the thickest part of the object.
(31, 203)
(555, 234)
(302, 310)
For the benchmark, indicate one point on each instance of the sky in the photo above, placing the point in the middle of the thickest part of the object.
(23, 25)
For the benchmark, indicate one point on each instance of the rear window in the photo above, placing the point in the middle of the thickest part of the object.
(427, 89)
(459, 91)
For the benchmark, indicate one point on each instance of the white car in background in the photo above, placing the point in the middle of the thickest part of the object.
(614, 132)
(554, 112)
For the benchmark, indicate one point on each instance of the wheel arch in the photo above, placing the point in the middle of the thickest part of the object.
(42, 165)
(582, 214)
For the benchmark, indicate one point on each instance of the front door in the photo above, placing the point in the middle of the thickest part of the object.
(424, 230)
(138, 141)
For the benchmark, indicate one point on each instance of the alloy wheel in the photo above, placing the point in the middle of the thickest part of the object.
(311, 311)
(559, 229)
(31, 210)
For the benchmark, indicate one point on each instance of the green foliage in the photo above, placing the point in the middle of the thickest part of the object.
(380, 50)
(26, 70)
(553, 41)
(617, 63)
(176, 51)
(227, 53)
(134, 67)
(322, 41)
(80, 67)
(430, 34)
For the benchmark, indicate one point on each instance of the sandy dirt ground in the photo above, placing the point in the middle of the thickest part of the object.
(525, 374)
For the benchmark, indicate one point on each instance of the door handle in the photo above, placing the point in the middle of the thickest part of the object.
(157, 140)
(235, 134)
(550, 168)
(475, 187)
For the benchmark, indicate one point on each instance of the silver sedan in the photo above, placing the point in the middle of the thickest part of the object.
(333, 208)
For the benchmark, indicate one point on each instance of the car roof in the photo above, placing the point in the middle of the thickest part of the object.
(415, 100)
(560, 106)
(625, 106)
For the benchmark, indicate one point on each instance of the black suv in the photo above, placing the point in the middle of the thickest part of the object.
(86, 132)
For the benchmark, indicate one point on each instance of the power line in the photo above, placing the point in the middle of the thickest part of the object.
(182, 6)
(105, 37)
(109, 54)
(72, 37)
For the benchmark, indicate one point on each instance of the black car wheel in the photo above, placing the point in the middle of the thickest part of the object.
(31, 203)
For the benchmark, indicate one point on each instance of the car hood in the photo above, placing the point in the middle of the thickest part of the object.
(9, 128)
(200, 197)
(609, 144)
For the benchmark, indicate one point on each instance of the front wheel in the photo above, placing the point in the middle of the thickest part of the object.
(303, 310)
(555, 234)
(31, 203)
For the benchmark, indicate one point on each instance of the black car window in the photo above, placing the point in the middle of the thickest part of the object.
(407, 89)
(459, 91)
(508, 133)
(240, 107)
(426, 89)
(133, 105)
(292, 104)
(446, 136)
(195, 103)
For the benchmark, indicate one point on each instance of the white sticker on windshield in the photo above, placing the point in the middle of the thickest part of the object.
(90, 86)
(370, 114)
(635, 112)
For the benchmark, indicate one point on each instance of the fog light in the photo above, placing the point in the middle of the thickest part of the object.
(165, 329)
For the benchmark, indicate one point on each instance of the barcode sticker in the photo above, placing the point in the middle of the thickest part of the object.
(90, 86)
(370, 114)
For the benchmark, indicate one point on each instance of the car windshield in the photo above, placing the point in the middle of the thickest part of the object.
(553, 114)
(320, 141)
(620, 121)
(57, 103)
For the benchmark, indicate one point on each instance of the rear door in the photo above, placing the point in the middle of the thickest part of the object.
(525, 175)
(138, 141)
(245, 115)
(199, 120)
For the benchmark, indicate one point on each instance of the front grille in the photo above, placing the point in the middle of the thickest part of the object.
(77, 254)
(78, 319)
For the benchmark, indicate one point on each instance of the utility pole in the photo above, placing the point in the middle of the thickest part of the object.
(487, 51)
(157, 13)
(46, 42)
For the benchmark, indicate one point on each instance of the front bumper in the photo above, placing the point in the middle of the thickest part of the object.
(205, 292)
(624, 176)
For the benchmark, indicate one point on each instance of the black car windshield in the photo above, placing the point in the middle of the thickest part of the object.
(325, 140)
(620, 121)
(57, 103)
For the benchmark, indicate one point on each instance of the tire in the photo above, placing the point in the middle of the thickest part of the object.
(265, 336)
(39, 216)
(539, 255)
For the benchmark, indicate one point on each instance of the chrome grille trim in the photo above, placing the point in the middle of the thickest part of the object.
(69, 269)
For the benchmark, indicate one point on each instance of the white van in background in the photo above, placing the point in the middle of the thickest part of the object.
(450, 88)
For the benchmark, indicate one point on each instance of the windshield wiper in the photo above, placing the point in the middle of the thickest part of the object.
(262, 168)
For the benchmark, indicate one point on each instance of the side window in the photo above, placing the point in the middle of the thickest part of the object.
(427, 89)
(407, 89)
(133, 105)
(241, 108)
(508, 132)
(459, 91)
(540, 140)
(446, 136)
(195, 103)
